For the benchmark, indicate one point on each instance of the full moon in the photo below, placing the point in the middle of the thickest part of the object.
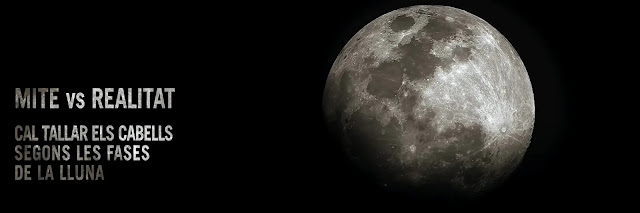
(431, 100)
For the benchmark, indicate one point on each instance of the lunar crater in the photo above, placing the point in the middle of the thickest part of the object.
(401, 23)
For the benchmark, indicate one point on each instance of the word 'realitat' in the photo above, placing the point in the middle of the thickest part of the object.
(125, 100)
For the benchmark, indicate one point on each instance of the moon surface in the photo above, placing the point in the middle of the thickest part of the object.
(431, 99)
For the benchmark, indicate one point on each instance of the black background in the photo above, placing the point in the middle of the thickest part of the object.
(249, 79)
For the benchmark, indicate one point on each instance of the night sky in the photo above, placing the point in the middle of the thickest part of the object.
(249, 80)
